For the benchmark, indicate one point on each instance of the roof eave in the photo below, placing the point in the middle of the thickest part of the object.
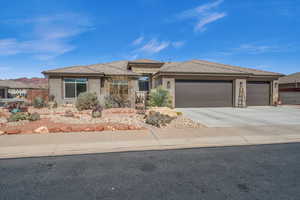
(217, 74)
(71, 74)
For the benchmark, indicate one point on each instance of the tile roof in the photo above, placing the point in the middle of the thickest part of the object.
(16, 84)
(292, 78)
(201, 66)
(192, 66)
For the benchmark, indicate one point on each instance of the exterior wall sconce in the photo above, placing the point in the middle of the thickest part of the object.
(168, 85)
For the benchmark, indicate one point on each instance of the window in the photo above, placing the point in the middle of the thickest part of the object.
(73, 87)
(144, 83)
(119, 87)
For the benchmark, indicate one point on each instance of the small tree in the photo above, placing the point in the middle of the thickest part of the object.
(160, 97)
(86, 101)
(38, 102)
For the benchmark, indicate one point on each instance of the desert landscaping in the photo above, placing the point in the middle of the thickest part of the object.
(41, 117)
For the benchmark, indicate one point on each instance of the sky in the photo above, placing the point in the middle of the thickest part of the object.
(37, 35)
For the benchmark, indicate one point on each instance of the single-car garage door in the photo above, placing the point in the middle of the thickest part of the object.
(290, 97)
(195, 93)
(258, 93)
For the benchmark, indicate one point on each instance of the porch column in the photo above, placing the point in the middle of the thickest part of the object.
(169, 84)
(240, 95)
(274, 92)
(134, 86)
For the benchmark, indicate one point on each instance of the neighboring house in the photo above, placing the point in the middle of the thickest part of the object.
(193, 83)
(13, 89)
(289, 87)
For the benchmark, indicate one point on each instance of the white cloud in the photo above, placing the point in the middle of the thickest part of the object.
(50, 36)
(154, 46)
(138, 41)
(178, 44)
(200, 26)
(203, 15)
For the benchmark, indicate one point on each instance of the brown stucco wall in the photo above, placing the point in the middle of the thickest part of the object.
(55, 88)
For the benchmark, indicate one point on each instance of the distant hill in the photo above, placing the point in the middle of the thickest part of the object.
(41, 82)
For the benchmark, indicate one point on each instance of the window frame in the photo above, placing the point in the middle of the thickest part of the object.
(75, 82)
(145, 79)
(118, 83)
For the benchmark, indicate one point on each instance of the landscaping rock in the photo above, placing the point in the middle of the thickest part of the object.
(77, 129)
(109, 128)
(164, 111)
(69, 113)
(66, 129)
(13, 131)
(54, 130)
(89, 129)
(157, 119)
(99, 128)
(41, 130)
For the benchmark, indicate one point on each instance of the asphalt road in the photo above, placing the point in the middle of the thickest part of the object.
(254, 172)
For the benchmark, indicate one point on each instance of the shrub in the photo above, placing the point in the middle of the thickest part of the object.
(38, 102)
(51, 98)
(157, 119)
(18, 117)
(160, 97)
(114, 101)
(86, 101)
(108, 102)
(97, 111)
(34, 117)
(179, 113)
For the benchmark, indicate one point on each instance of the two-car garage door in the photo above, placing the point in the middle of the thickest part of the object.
(208, 93)
(195, 93)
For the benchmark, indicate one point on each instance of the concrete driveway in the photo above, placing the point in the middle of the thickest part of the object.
(238, 117)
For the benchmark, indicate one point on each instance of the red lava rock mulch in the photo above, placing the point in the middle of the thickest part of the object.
(54, 127)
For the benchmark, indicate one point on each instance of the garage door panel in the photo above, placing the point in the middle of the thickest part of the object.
(203, 93)
(258, 93)
(290, 98)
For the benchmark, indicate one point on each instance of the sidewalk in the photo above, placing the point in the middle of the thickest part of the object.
(32, 145)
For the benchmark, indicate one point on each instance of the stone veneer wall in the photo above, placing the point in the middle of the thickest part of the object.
(169, 84)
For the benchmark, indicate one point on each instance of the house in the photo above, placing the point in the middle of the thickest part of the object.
(289, 89)
(13, 89)
(194, 83)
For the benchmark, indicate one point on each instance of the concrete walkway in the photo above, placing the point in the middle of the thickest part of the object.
(14, 146)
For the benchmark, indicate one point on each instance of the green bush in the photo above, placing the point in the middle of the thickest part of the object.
(38, 102)
(18, 117)
(86, 101)
(34, 117)
(160, 97)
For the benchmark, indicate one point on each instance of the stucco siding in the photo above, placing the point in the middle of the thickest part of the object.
(55, 89)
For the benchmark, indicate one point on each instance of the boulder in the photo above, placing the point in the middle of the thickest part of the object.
(41, 130)
(54, 130)
(88, 129)
(122, 127)
(13, 131)
(109, 128)
(99, 128)
(77, 129)
(66, 129)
